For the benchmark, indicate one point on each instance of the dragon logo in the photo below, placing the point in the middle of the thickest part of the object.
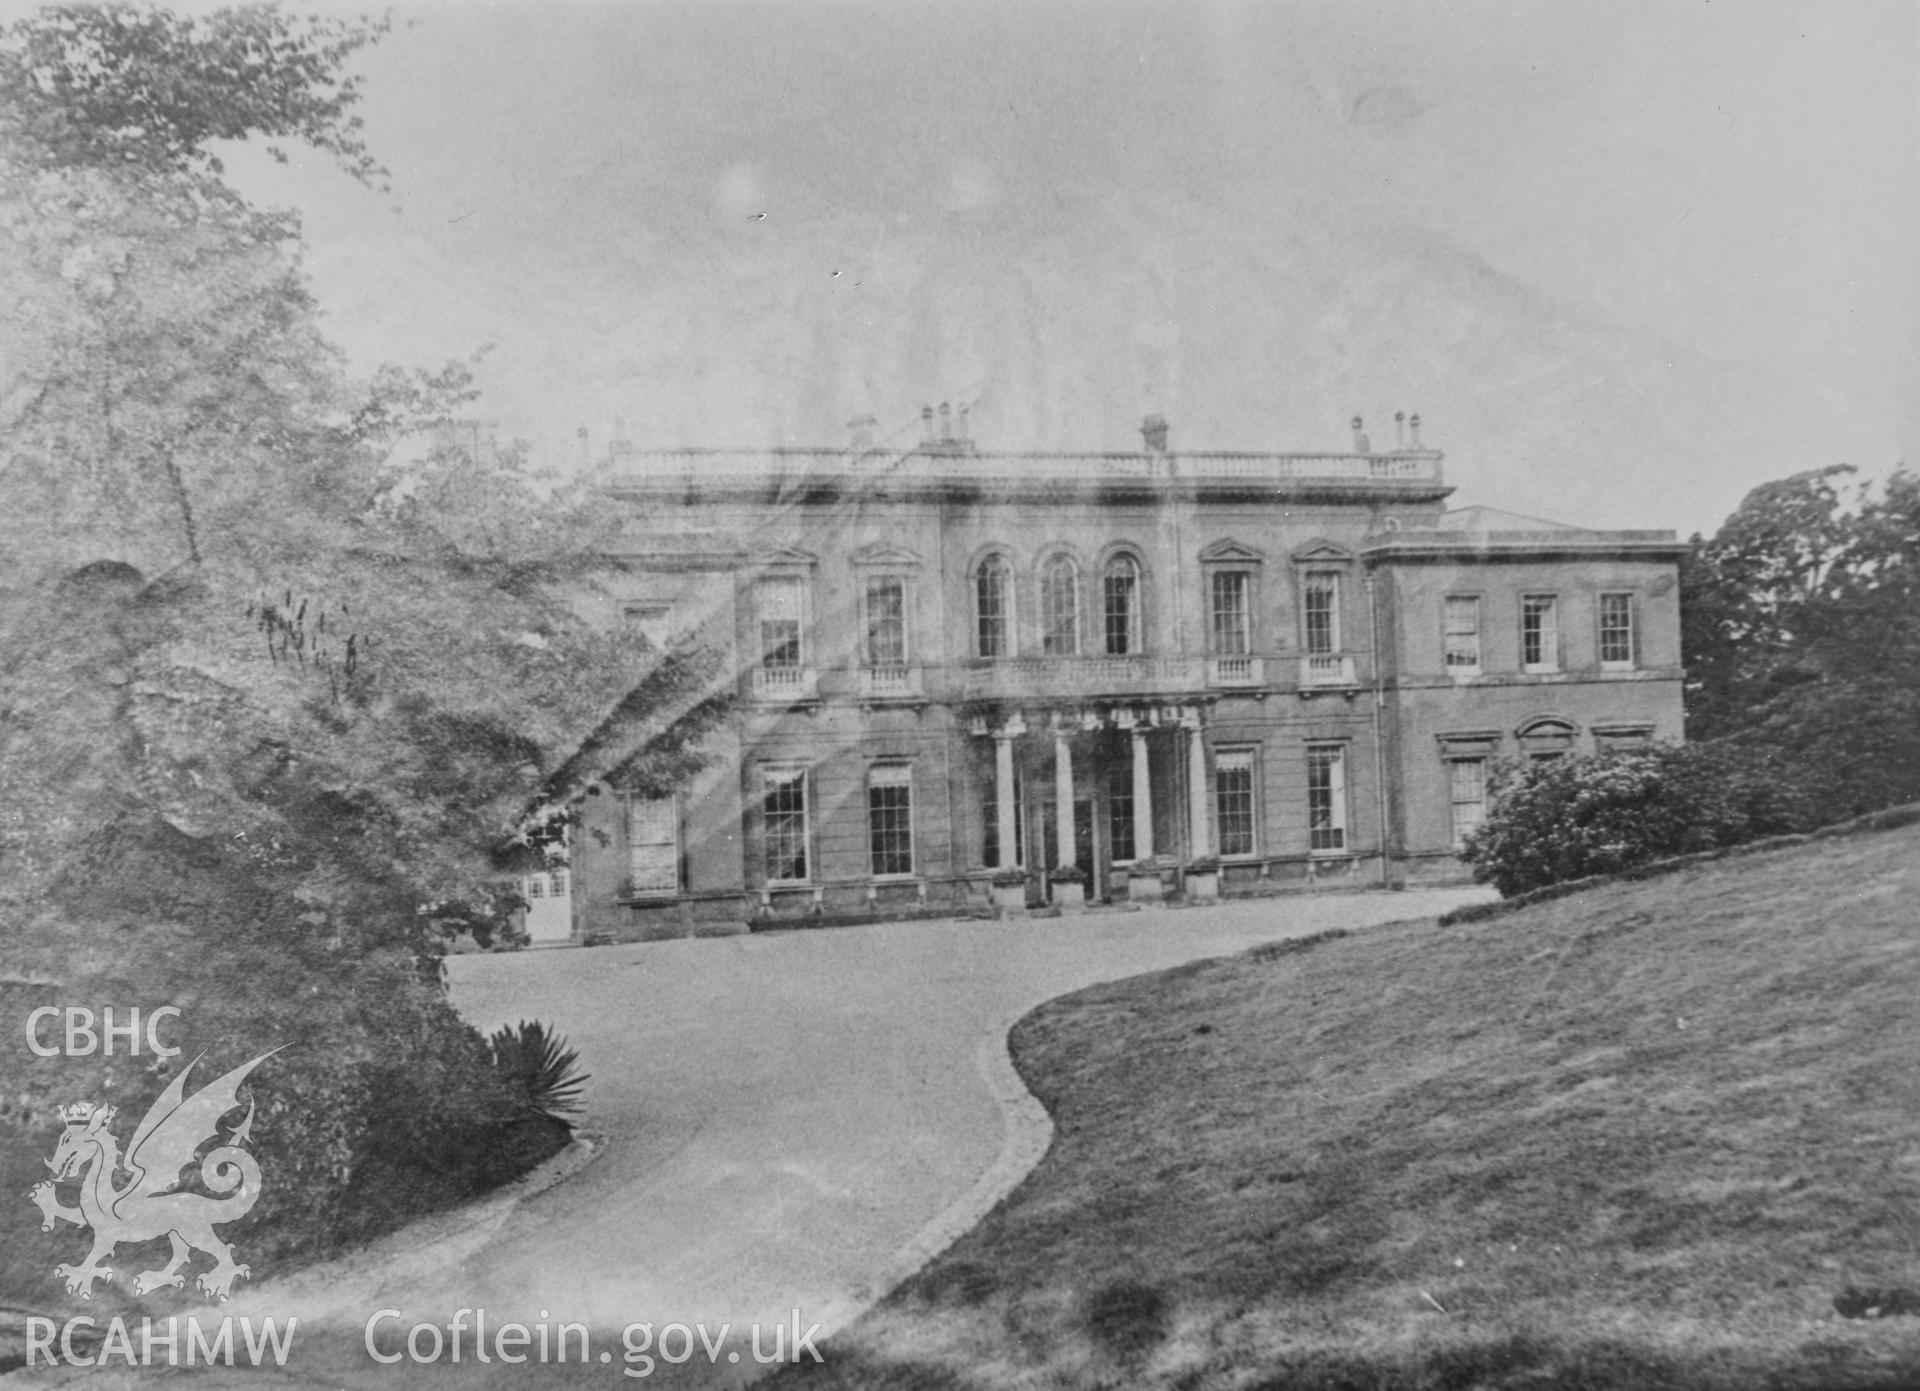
(149, 1204)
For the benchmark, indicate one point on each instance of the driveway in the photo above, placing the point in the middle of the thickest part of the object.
(784, 1121)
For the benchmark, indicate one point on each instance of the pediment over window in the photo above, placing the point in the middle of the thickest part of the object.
(1232, 552)
(1547, 732)
(1468, 743)
(784, 558)
(1321, 551)
(883, 553)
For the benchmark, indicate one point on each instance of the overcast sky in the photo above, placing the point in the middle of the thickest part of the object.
(1627, 260)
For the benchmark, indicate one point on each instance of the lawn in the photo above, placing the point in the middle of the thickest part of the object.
(1638, 1137)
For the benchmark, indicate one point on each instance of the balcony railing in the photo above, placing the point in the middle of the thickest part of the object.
(688, 467)
(785, 685)
(890, 682)
(1072, 676)
(1236, 671)
(1327, 670)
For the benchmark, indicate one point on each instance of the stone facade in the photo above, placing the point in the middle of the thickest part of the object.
(1238, 673)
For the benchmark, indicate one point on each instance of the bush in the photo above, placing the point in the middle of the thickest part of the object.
(1575, 817)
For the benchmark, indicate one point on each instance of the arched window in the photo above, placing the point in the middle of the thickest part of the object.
(1120, 606)
(1060, 607)
(993, 607)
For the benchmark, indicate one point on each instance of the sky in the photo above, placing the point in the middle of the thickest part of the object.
(1626, 260)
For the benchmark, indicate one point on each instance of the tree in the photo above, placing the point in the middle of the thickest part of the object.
(282, 667)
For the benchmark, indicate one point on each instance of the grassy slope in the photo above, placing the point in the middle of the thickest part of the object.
(1640, 1136)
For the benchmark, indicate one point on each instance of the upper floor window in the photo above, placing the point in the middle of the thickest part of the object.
(1616, 632)
(993, 607)
(650, 621)
(1320, 608)
(1460, 635)
(1060, 607)
(1231, 596)
(886, 614)
(1120, 606)
(781, 602)
(1539, 633)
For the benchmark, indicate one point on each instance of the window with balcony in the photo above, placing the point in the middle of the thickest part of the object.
(1539, 633)
(1120, 606)
(886, 614)
(1060, 607)
(1467, 790)
(993, 607)
(1616, 632)
(653, 845)
(781, 602)
(1326, 797)
(1233, 782)
(1460, 635)
(890, 819)
(1231, 631)
(783, 809)
(1320, 612)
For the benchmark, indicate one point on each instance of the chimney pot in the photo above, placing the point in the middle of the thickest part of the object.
(1399, 429)
(1154, 431)
(1414, 426)
(946, 422)
(926, 424)
(1361, 444)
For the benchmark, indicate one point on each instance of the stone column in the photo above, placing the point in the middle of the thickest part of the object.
(1143, 880)
(1063, 795)
(1006, 851)
(1142, 797)
(1067, 893)
(1197, 793)
(1203, 874)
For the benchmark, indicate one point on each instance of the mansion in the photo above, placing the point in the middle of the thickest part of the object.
(973, 680)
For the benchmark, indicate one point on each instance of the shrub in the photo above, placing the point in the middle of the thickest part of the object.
(1575, 817)
(1128, 1319)
(542, 1072)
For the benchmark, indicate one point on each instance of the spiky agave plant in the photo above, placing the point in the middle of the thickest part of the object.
(543, 1070)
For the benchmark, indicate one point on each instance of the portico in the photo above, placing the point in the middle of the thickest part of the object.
(1133, 776)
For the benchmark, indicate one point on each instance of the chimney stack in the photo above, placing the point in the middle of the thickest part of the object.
(585, 447)
(1154, 431)
(1361, 444)
(861, 429)
(946, 423)
(1399, 429)
(1414, 425)
(926, 424)
(963, 430)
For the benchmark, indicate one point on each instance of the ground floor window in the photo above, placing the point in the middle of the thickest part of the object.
(653, 845)
(1233, 800)
(784, 809)
(890, 818)
(1326, 797)
(1467, 780)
